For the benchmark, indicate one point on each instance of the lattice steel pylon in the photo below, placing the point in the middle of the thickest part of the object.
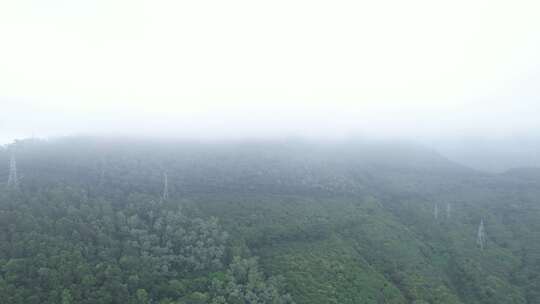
(436, 211)
(165, 195)
(481, 238)
(13, 181)
(101, 172)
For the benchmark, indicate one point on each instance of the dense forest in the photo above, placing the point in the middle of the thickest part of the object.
(94, 220)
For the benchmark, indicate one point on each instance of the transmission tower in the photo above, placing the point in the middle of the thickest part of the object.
(481, 239)
(448, 210)
(102, 172)
(436, 211)
(165, 195)
(13, 181)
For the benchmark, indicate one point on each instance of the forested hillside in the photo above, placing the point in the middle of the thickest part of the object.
(89, 220)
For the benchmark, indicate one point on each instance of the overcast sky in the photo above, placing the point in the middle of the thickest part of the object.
(269, 68)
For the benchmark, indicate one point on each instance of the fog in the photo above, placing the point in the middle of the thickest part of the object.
(445, 74)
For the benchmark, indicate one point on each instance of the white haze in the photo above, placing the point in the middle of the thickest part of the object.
(231, 69)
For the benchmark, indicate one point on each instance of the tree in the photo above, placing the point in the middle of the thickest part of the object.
(244, 283)
(66, 297)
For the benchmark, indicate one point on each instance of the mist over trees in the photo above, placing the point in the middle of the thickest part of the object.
(269, 152)
(491, 153)
(97, 220)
